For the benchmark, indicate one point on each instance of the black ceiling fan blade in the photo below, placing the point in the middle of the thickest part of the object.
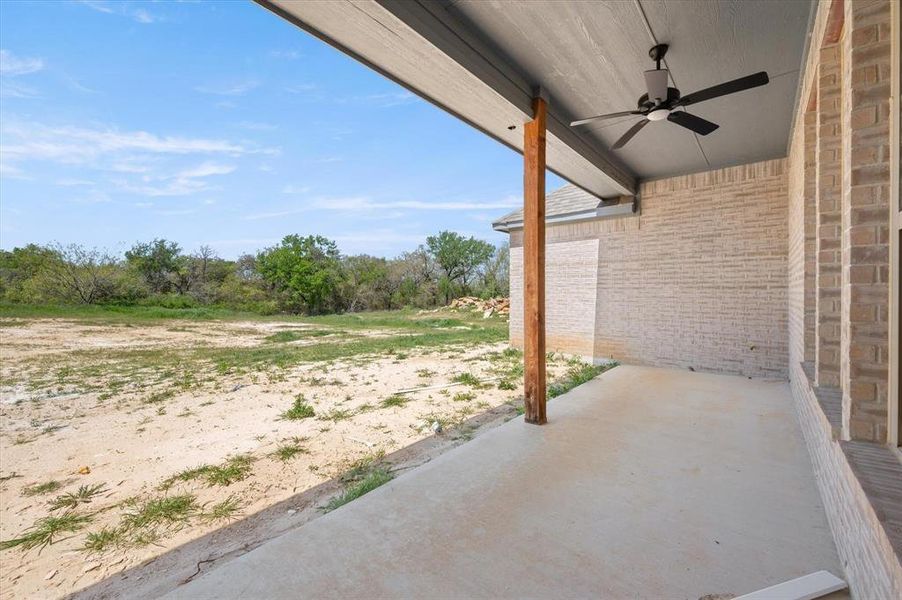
(696, 124)
(629, 134)
(625, 113)
(729, 87)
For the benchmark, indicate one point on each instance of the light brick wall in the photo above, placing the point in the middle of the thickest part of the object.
(698, 280)
(570, 292)
(865, 210)
(863, 541)
(829, 188)
(872, 568)
(809, 249)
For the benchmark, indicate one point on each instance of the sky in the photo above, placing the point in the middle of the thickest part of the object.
(220, 124)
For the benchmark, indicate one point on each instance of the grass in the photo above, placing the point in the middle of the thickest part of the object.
(373, 478)
(467, 379)
(236, 468)
(225, 510)
(336, 414)
(105, 539)
(167, 511)
(463, 397)
(299, 410)
(295, 335)
(286, 452)
(407, 331)
(42, 488)
(83, 495)
(394, 400)
(577, 374)
(506, 384)
(46, 531)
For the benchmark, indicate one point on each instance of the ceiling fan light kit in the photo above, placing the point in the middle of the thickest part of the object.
(660, 101)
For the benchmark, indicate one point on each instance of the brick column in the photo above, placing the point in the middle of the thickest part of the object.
(810, 242)
(829, 176)
(865, 220)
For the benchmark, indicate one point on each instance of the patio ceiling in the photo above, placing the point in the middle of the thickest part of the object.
(482, 61)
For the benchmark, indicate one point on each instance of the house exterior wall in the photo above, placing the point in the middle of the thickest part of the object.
(854, 34)
(716, 241)
(570, 292)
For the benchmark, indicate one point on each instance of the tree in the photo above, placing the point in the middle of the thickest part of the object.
(365, 279)
(306, 270)
(79, 274)
(160, 263)
(459, 258)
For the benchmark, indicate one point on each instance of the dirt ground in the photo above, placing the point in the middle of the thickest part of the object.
(79, 408)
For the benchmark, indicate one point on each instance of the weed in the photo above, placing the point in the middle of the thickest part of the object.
(226, 510)
(168, 511)
(336, 414)
(42, 488)
(425, 373)
(286, 452)
(46, 530)
(394, 400)
(105, 539)
(83, 495)
(463, 396)
(299, 410)
(577, 374)
(371, 480)
(236, 468)
(506, 384)
(467, 379)
(158, 397)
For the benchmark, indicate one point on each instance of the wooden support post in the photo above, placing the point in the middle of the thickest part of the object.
(534, 265)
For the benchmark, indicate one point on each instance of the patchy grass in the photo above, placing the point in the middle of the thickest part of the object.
(463, 396)
(236, 468)
(42, 488)
(373, 478)
(336, 414)
(166, 511)
(506, 384)
(295, 335)
(83, 495)
(425, 373)
(394, 400)
(287, 451)
(299, 410)
(105, 539)
(467, 379)
(577, 374)
(228, 509)
(46, 531)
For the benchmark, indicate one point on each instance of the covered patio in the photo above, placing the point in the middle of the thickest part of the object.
(649, 483)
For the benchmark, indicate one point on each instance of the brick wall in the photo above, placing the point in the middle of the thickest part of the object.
(570, 292)
(698, 280)
(828, 161)
(860, 30)
(865, 231)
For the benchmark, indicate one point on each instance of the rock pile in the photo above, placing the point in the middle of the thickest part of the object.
(492, 306)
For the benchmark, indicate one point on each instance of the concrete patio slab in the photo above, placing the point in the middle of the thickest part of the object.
(646, 483)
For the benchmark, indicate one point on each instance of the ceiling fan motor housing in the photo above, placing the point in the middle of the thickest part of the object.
(645, 104)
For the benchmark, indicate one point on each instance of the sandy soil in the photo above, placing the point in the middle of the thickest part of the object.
(131, 447)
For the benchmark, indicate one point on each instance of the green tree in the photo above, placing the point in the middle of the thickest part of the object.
(160, 263)
(305, 270)
(459, 258)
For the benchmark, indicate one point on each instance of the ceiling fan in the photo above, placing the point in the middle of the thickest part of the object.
(661, 101)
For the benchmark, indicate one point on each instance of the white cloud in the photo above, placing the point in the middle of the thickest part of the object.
(234, 88)
(363, 204)
(13, 66)
(183, 183)
(285, 54)
(123, 9)
(295, 189)
(14, 89)
(70, 144)
(73, 182)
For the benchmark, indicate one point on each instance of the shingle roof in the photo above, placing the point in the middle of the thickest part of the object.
(565, 200)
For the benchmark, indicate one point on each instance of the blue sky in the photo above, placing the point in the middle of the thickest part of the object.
(218, 123)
